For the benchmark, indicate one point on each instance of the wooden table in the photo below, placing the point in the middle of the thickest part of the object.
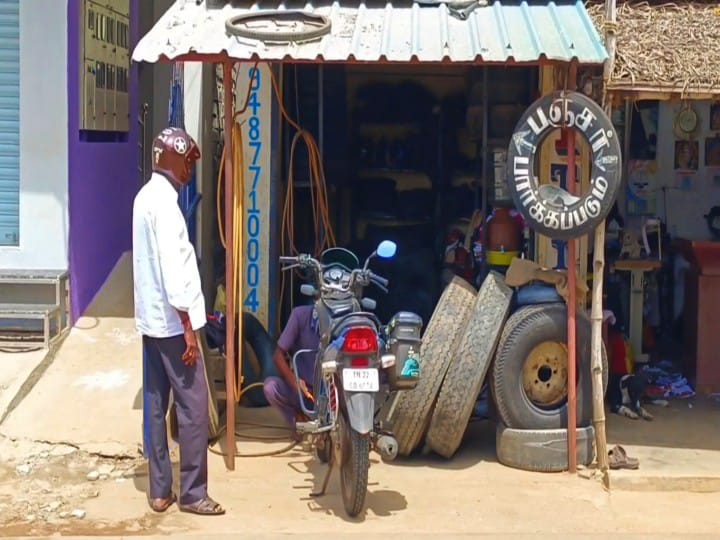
(637, 269)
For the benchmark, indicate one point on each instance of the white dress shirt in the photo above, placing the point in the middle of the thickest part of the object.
(166, 276)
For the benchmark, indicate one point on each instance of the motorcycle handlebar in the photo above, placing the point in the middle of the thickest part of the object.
(308, 261)
(379, 279)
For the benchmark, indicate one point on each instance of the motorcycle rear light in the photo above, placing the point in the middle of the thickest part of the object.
(360, 362)
(360, 340)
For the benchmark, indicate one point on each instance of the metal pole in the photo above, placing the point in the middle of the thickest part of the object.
(485, 188)
(321, 129)
(321, 108)
(229, 269)
(572, 300)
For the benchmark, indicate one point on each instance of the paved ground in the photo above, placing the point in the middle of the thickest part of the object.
(679, 450)
(90, 396)
(397, 535)
(470, 494)
(86, 410)
(16, 366)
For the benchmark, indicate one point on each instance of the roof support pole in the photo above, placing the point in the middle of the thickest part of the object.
(599, 270)
(228, 104)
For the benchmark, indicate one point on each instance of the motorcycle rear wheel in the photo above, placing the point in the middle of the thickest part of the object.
(354, 467)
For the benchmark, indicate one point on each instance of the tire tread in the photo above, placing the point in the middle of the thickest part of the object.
(466, 374)
(437, 350)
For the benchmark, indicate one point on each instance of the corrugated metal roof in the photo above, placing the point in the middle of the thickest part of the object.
(396, 31)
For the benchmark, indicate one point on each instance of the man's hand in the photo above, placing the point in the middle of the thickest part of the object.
(192, 350)
(305, 391)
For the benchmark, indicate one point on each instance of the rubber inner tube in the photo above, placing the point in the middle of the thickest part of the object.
(283, 29)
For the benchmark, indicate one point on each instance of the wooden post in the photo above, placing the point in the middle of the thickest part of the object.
(598, 272)
(229, 269)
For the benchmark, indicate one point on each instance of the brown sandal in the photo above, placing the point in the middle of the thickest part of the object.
(160, 505)
(618, 459)
(204, 507)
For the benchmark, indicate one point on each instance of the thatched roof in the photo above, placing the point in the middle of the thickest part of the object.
(663, 46)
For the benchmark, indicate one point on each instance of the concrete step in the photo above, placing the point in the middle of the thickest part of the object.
(670, 469)
(27, 311)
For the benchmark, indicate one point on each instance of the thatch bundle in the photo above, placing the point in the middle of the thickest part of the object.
(665, 45)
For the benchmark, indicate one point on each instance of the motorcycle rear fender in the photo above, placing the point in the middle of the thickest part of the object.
(360, 411)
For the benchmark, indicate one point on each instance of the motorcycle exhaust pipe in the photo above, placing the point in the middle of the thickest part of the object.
(387, 446)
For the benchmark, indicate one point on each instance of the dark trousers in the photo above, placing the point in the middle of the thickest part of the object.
(626, 390)
(165, 369)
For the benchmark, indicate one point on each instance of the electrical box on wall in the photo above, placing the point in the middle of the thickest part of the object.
(105, 65)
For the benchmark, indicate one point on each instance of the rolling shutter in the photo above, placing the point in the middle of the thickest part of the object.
(9, 122)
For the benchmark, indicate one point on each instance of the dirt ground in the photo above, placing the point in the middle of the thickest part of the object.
(47, 489)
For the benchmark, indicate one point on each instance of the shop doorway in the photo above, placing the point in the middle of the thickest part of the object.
(406, 159)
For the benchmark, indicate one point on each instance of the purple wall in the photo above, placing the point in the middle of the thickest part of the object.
(103, 180)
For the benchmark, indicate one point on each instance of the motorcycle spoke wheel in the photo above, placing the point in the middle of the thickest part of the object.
(354, 468)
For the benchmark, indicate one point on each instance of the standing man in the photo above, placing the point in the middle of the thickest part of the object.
(169, 309)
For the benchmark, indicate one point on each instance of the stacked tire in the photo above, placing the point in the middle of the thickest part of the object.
(455, 355)
(529, 377)
(412, 410)
(529, 389)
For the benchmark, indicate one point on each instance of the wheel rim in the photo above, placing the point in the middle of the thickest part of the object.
(545, 374)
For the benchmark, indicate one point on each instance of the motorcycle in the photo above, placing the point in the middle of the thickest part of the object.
(359, 365)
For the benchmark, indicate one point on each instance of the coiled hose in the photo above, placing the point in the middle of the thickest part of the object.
(324, 235)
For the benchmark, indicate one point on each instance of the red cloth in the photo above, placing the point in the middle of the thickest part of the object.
(618, 365)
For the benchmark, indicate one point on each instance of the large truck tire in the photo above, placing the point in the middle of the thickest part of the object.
(412, 408)
(466, 374)
(529, 379)
(258, 363)
(537, 293)
(548, 209)
(542, 450)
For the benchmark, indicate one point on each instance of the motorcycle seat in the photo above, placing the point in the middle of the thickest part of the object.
(356, 319)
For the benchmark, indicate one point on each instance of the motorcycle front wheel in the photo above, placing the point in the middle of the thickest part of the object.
(354, 467)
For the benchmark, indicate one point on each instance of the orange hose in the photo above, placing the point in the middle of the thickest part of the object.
(319, 199)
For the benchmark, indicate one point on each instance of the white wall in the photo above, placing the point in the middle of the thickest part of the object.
(685, 208)
(43, 138)
(198, 94)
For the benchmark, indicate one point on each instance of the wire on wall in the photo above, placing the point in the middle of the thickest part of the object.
(324, 234)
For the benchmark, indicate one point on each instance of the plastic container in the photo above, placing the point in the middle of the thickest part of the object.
(403, 332)
(503, 231)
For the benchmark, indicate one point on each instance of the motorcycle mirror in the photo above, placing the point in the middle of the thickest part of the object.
(308, 290)
(387, 249)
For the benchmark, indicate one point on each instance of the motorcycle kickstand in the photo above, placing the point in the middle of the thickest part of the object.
(326, 480)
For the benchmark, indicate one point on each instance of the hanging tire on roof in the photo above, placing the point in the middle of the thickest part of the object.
(466, 374)
(438, 349)
(548, 208)
(530, 378)
(542, 450)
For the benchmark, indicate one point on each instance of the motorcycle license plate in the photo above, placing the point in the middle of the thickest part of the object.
(361, 380)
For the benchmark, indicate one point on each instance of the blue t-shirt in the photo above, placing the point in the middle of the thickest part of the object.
(299, 333)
